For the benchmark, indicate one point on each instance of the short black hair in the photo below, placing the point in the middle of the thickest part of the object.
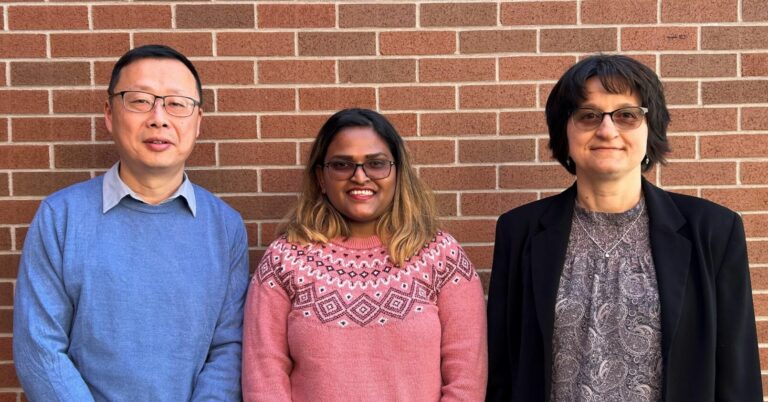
(618, 75)
(153, 52)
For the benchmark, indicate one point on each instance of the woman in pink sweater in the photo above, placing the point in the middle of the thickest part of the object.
(364, 298)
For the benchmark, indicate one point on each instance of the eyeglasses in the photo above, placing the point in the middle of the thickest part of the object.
(626, 118)
(143, 102)
(375, 169)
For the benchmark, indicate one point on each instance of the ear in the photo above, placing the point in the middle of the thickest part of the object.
(320, 178)
(199, 121)
(108, 115)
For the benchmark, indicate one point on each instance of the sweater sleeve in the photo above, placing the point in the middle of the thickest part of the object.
(220, 376)
(42, 319)
(463, 349)
(267, 363)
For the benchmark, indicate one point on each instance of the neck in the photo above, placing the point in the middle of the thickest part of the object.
(152, 188)
(608, 196)
(361, 229)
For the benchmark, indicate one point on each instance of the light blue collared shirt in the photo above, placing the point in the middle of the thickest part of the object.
(115, 189)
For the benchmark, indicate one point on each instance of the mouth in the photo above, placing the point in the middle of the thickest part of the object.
(361, 193)
(156, 142)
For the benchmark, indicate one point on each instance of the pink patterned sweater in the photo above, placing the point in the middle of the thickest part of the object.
(337, 322)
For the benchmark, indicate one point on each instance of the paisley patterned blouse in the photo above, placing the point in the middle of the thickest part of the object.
(607, 336)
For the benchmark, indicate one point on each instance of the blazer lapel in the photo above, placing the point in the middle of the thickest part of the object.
(671, 257)
(548, 249)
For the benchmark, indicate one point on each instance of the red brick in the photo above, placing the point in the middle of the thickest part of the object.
(698, 65)
(501, 41)
(102, 72)
(754, 118)
(618, 12)
(681, 92)
(377, 71)
(534, 177)
(85, 156)
(296, 71)
(698, 173)
(659, 38)
(497, 96)
(215, 16)
(534, 67)
(17, 212)
(754, 10)
(2, 75)
(404, 123)
(214, 72)
(683, 147)
(22, 45)
(336, 98)
(754, 64)
(188, 43)
(337, 43)
(538, 13)
(44, 183)
(4, 186)
(220, 127)
(493, 204)
(416, 98)
(50, 73)
(47, 17)
(734, 37)
(254, 44)
(226, 180)
(132, 16)
(578, 40)
(6, 353)
(460, 178)
(522, 123)
(470, 230)
(756, 225)
(23, 102)
(698, 10)
(446, 204)
(758, 251)
(291, 126)
(377, 15)
(417, 43)
(9, 264)
(695, 120)
(458, 14)
(257, 153)
(79, 101)
(738, 199)
(425, 152)
(753, 172)
(3, 129)
(481, 256)
(457, 124)
(6, 243)
(24, 157)
(738, 146)
(740, 91)
(7, 371)
(203, 155)
(261, 206)
(281, 180)
(51, 129)
(89, 45)
(447, 70)
(497, 151)
(296, 15)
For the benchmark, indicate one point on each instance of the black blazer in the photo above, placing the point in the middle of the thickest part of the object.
(708, 337)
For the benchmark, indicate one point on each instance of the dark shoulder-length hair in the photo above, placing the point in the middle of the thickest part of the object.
(409, 224)
(618, 75)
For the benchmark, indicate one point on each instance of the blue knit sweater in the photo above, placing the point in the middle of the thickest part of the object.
(141, 303)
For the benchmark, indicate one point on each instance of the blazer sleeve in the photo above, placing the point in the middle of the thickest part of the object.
(738, 366)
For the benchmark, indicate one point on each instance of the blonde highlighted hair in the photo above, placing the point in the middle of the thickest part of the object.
(410, 223)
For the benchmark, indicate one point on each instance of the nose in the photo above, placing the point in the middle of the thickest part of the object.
(359, 176)
(158, 117)
(607, 129)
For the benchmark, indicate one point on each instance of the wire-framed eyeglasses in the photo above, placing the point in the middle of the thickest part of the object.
(375, 169)
(626, 118)
(143, 102)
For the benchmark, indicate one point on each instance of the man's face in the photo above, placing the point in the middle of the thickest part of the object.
(153, 144)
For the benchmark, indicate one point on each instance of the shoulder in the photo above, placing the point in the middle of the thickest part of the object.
(83, 193)
(444, 247)
(207, 200)
(701, 211)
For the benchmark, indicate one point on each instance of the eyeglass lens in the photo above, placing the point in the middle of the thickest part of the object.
(375, 169)
(628, 118)
(143, 102)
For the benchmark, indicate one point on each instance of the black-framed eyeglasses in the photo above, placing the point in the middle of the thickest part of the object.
(375, 169)
(626, 118)
(143, 102)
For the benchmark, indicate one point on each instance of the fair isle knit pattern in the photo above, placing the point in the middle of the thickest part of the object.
(346, 286)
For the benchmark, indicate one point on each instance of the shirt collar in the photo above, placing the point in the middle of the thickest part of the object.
(114, 189)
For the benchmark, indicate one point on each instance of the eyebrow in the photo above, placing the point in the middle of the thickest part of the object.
(369, 156)
(592, 106)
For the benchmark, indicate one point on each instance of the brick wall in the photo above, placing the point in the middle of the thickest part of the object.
(465, 82)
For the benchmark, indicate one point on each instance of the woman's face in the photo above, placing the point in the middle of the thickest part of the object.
(360, 198)
(607, 152)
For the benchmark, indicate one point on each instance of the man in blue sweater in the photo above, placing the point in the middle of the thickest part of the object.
(131, 284)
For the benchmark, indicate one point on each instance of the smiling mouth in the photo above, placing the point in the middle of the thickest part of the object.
(361, 192)
(157, 142)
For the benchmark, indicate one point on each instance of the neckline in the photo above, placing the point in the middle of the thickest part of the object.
(358, 243)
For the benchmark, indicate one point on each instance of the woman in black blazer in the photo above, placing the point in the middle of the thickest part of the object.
(616, 289)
